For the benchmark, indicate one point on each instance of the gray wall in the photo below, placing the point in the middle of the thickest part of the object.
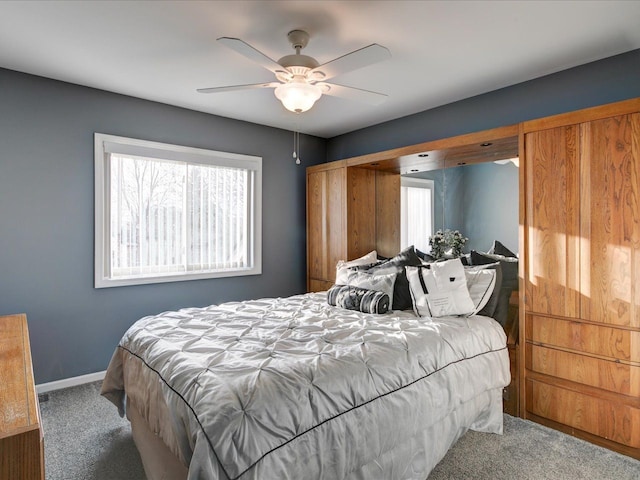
(481, 201)
(605, 81)
(46, 194)
(47, 209)
(490, 205)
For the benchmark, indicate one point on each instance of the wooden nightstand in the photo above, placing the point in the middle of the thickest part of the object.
(21, 436)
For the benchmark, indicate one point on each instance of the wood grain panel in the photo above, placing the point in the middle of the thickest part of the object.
(584, 115)
(608, 342)
(21, 437)
(319, 285)
(614, 421)
(552, 222)
(17, 395)
(336, 220)
(387, 213)
(21, 456)
(608, 375)
(610, 227)
(361, 211)
(523, 247)
(316, 226)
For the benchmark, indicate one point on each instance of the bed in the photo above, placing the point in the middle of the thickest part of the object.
(296, 388)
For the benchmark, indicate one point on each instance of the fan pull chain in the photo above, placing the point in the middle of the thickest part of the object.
(296, 147)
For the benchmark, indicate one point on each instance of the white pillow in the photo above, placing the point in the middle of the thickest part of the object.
(440, 290)
(480, 283)
(370, 281)
(368, 259)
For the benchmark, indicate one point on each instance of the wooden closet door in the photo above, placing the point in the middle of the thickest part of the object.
(326, 226)
(553, 222)
(316, 226)
(336, 218)
(610, 230)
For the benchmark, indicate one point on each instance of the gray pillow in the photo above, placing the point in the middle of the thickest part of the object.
(401, 293)
(499, 249)
(490, 308)
(509, 267)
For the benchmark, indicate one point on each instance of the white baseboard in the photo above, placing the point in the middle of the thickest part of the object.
(70, 382)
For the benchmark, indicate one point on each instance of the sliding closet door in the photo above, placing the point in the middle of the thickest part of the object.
(552, 279)
(611, 220)
(326, 226)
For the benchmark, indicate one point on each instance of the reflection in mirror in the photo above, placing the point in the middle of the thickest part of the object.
(417, 212)
(479, 200)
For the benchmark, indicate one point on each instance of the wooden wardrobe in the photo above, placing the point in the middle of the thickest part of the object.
(581, 244)
(350, 212)
(578, 362)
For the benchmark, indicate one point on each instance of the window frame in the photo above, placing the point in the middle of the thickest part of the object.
(414, 182)
(180, 153)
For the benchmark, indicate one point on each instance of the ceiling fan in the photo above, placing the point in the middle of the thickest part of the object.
(301, 79)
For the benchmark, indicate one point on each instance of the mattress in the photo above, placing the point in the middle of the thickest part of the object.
(295, 388)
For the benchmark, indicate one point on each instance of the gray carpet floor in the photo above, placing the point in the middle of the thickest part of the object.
(85, 439)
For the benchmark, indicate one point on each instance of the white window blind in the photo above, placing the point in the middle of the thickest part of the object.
(416, 223)
(167, 213)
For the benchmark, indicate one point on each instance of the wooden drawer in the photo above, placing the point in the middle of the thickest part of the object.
(605, 374)
(615, 343)
(602, 417)
(319, 285)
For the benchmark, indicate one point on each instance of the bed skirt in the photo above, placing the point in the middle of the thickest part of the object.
(413, 459)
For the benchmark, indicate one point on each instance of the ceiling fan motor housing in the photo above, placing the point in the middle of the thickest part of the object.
(298, 39)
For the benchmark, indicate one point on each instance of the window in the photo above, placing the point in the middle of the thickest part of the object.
(166, 213)
(416, 202)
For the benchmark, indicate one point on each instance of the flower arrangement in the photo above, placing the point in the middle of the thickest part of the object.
(448, 243)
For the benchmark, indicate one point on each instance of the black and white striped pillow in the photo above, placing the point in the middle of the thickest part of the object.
(369, 281)
(359, 299)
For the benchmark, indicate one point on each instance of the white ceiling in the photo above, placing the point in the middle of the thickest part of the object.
(442, 51)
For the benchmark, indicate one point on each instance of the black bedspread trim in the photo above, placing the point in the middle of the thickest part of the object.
(311, 428)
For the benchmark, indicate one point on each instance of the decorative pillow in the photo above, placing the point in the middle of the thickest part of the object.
(509, 267)
(499, 249)
(440, 289)
(425, 257)
(481, 283)
(359, 299)
(489, 310)
(369, 281)
(401, 294)
(368, 259)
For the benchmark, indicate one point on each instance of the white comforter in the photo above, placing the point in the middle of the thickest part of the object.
(295, 388)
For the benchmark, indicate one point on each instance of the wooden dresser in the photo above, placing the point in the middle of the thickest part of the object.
(582, 266)
(21, 435)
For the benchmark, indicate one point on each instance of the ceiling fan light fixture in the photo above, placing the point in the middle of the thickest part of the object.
(298, 97)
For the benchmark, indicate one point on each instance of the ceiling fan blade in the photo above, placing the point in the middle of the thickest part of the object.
(231, 88)
(251, 53)
(351, 61)
(366, 96)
